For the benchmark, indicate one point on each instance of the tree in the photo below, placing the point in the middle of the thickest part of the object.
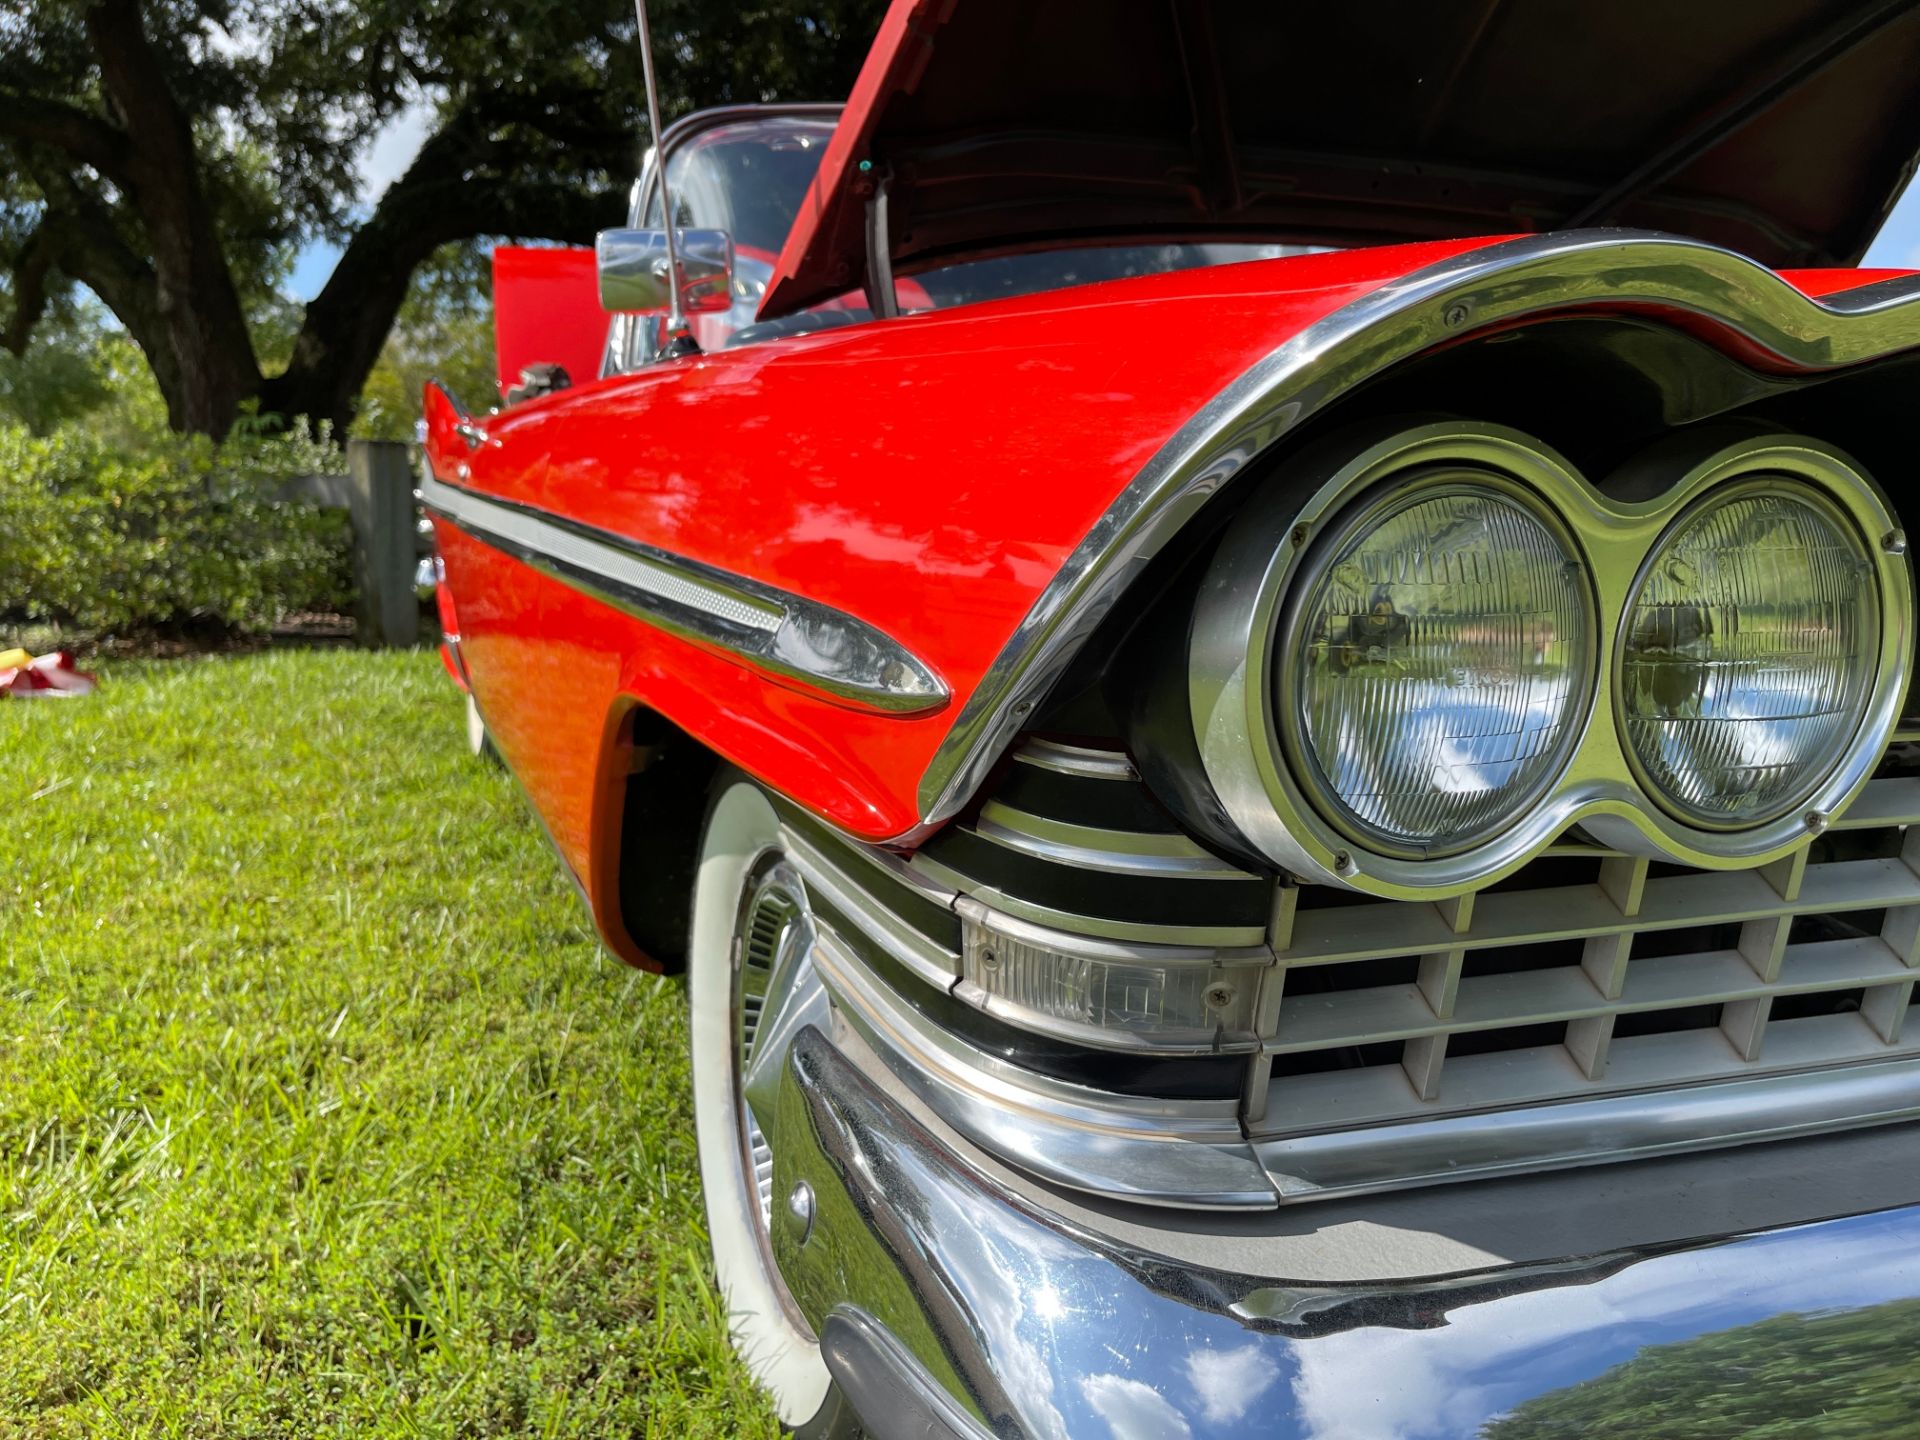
(1834, 1375)
(58, 377)
(170, 155)
(443, 332)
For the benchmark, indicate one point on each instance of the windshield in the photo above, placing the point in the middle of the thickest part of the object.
(750, 177)
(746, 178)
(1056, 269)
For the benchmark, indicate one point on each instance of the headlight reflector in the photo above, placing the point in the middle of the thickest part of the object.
(1439, 672)
(1748, 654)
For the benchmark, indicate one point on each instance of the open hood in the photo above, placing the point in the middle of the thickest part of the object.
(1783, 129)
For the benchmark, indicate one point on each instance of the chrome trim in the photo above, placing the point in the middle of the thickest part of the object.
(616, 358)
(1080, 760)
(934, 964)
(700, 121)
(889, 1389)
(784, 635)
(1498, 284)
(1428, 1118)
(1093, 925)
(1188, 1154)
(1241, 629)
(1087, 848)
(634, 269)
(1592, 1132)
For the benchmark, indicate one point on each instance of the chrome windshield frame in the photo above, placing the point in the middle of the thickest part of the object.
(615, 356)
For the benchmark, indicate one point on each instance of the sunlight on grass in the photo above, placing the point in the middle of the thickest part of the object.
(324, 1114)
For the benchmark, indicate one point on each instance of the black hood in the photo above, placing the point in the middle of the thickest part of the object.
(1782, 129)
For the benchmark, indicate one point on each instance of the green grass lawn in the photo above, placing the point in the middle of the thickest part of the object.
(321, 1110)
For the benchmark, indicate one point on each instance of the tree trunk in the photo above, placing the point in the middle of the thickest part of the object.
(198, 306)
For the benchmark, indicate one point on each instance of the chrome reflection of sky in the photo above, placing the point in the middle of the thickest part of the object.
(1082, 1361)
(1413, 1385)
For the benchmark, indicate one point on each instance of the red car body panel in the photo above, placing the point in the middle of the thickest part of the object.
(927, 475)
(546, 311)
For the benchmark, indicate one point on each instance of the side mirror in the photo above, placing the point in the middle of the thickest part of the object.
(634, 271)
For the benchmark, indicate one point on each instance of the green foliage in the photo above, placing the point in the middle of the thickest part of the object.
(1845, 1376)
(84, 373)
(132, 416)
(324, 1114)
(444, 332)
(57, 378)
(177, 532)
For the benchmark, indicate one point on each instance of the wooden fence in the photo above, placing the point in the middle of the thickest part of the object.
(377, 494)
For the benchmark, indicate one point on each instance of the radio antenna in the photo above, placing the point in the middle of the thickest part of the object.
(679, 337)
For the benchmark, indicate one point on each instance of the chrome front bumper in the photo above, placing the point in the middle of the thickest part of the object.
(948, 1305)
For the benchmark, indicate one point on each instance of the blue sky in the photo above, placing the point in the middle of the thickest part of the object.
(386, 160)
(1899, 243)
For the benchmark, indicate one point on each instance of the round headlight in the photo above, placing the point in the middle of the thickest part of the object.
(1748, 654)
(1438, 676)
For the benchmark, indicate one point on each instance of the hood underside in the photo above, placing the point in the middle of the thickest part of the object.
(1782, 129)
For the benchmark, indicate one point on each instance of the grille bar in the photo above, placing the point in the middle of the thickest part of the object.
(1587, 1131)
(1378, 1096)
(1894, 801)
(1359, 1017)
(1580, 912)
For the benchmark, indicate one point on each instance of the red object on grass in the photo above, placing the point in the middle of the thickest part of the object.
(50, 677)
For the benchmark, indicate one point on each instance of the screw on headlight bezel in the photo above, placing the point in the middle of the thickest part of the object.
(1236, 636)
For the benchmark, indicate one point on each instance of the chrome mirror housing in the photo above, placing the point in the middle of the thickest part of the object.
(634, 270)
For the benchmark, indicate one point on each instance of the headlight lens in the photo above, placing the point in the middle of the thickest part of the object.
(1748, 653)
(1442, 671)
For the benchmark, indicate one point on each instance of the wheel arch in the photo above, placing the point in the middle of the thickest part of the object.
(652, 795)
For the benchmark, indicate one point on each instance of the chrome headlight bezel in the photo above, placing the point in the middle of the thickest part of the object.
(1238, 637)
(1367, 511)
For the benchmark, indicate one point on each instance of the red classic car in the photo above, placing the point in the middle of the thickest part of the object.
(1254, 658)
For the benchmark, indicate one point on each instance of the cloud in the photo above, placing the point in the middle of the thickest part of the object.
(392, 149)
(1229, 1381)
(1133, 1409)
(1424, 1385)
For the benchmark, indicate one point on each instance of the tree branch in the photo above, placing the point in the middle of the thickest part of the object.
(30, 270)
(84, 244)
(83, 138)
(438, 200)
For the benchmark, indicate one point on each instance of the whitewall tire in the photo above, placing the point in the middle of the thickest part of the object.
(741, 894)
(478, 741)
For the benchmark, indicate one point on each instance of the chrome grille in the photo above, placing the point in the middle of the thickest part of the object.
(1630, 976)
(1593, 1006)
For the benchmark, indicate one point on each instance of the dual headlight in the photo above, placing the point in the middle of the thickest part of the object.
(1419, 660)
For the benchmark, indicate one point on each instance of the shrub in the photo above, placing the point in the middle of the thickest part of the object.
(179, 534)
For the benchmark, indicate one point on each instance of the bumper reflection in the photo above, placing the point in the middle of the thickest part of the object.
(1043, 1331)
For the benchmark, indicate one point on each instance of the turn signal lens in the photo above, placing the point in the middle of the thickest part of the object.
(1748, 654)
(1441, 670)
(1153, 998)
